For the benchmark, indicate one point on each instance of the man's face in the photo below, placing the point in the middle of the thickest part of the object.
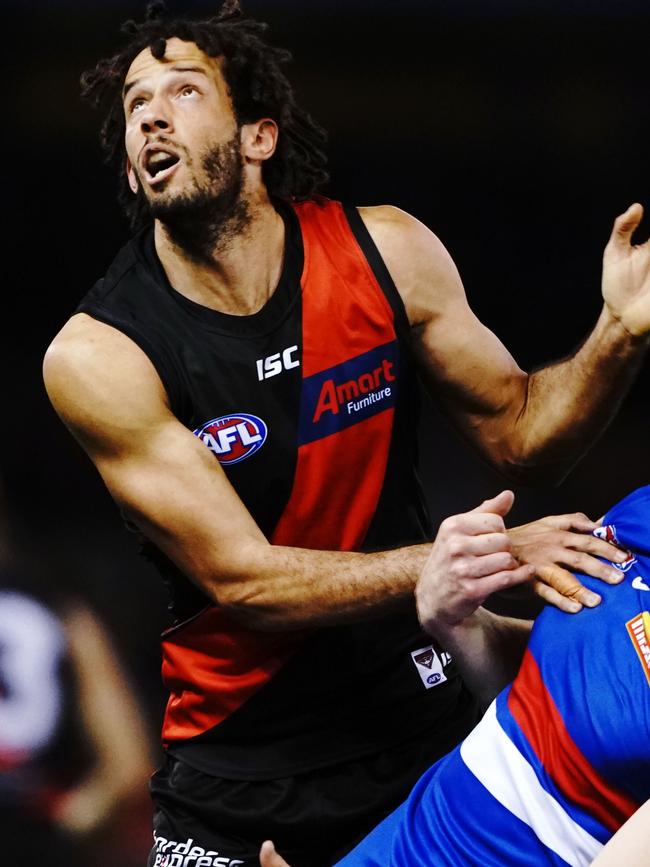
(181, 134)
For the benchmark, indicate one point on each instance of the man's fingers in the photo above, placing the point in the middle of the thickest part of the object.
(585, 563)
(502, 580)
(581, 556)
(491, 564)
(269, 857)
(567, 585)
(499, 505)
(475, 523)
(486, 543)
(624, 226)
(594, 546)
(552, 597)
(574, 521)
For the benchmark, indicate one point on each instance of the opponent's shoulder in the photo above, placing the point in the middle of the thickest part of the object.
(423, 271)
(96, 375)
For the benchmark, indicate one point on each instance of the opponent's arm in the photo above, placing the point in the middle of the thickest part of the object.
(108, 393)
(529, 425)
(486, 647)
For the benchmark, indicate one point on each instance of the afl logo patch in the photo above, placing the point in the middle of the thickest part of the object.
(233, 438)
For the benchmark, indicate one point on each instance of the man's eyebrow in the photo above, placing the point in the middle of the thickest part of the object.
(132, 84)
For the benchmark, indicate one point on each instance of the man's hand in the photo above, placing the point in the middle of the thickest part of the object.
(269, 857)
(560, 543)
(470, 559)
(626, 275)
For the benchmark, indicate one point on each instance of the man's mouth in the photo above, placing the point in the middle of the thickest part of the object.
(159, 165)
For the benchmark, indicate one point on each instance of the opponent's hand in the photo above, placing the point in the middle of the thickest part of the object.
(626, 275)
(470, 559)
(269, 857)
(560, 543)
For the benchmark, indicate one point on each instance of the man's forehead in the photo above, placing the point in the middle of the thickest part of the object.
(177, 52)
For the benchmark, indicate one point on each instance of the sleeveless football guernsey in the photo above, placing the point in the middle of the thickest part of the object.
(561, 758)
(310, 407)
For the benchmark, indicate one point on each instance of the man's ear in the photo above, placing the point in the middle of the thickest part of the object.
(259, 140)
(132, 177)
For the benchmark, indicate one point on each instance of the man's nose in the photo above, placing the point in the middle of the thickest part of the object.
(155, 117)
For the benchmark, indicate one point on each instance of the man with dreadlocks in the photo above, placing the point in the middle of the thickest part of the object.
(243, 379)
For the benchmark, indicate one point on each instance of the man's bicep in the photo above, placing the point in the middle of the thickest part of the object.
(108, 394)
(177, 494)
(467, 368)
(462, 362)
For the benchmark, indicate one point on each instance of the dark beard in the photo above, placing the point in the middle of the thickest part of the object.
(203, 222)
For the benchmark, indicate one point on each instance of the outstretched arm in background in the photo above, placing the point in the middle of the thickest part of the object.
(533, 427)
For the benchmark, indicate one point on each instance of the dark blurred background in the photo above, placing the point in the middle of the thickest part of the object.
(516, 130)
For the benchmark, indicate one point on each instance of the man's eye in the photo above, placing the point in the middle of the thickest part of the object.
(188, 90)
(136, 105)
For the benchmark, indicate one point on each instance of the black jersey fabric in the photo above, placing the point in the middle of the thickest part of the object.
(336, 693)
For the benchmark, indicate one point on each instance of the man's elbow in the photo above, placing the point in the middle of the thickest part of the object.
(535, 468)
(244, 592)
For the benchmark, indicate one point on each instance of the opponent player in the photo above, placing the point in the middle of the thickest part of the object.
(243, 380)
(561, 759)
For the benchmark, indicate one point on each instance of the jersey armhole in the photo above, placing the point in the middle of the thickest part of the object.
(379, 269)
(164, 368)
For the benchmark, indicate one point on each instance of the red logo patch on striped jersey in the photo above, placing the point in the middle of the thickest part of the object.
(639, 631)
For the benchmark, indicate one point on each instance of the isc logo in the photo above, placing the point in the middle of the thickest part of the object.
(233, 438)
(276, 363)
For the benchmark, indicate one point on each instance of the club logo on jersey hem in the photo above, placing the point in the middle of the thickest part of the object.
(233, 438)
(430, 666)
(348, 393)
(608, 533)
(639, 631)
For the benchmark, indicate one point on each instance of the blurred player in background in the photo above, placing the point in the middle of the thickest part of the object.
(244, 378)
(74, 751)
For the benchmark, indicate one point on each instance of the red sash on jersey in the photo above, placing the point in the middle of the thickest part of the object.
(212, 665)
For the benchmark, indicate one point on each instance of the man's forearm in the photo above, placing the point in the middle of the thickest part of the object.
(487, 649)
(276, 588)
(569, 404)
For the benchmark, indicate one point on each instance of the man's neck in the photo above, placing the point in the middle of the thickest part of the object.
(238, 278)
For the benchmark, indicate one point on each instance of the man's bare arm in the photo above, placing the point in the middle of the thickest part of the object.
(529, 425)
(486, 647)
(109, 395)
(629, 846)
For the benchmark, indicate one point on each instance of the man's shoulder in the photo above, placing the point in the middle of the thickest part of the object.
(87, 351)
(420, 265)
(93, 372)
(399, 230)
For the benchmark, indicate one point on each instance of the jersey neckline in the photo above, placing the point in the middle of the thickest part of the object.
(268, 317)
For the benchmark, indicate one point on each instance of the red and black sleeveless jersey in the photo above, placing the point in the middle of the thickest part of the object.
(310, 407)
